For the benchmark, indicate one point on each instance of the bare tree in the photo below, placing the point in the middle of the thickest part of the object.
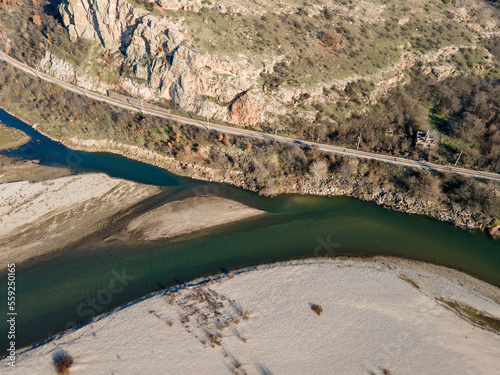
(318, 171)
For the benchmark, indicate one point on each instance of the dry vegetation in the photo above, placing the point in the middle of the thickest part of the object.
(321, 40)
(317, 309)
(11, 138)
(206, 314)
(474, 316)
(462, 110)
(210, 317)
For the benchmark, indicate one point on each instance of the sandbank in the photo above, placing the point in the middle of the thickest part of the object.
(376, 315)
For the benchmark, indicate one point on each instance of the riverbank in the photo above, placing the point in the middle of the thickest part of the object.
(398, 189)
(11, 138)
(38, 218)
(12, 169)
(330, 186)
(344, 316)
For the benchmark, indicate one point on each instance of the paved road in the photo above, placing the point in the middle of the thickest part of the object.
(128, 103)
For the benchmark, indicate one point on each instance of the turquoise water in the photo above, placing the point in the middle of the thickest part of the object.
(70, 288)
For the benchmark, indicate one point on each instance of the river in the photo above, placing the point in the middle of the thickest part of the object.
(66, 289)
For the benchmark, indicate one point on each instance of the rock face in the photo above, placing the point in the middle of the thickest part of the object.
(175, 5)
(245, 109)
(158, 55)
(103, 20)
(163, 65)
(63, 70)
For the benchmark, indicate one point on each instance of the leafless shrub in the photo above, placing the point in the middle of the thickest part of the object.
(317, 309)
(221, 326)
(318, 170)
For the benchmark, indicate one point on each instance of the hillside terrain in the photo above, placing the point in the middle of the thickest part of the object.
(318, 70)
(333, 72)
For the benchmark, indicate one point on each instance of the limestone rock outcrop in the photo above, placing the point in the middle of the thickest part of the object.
(158, 52)
(164, 66)
(175, 5)
(104, 20)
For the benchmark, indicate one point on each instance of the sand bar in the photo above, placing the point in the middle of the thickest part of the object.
(376, 316)
(189, 215)
(39, 217)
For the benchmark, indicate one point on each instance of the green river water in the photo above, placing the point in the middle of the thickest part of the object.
(72, 287)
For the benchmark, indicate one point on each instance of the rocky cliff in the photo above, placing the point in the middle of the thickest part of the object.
(249, 63)
(163, 65)
(107, 21)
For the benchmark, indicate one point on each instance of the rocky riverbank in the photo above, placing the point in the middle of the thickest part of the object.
(330, 186)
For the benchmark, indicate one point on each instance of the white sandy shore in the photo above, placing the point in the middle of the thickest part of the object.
(372, 320)
(188, 215)
(38, 217)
